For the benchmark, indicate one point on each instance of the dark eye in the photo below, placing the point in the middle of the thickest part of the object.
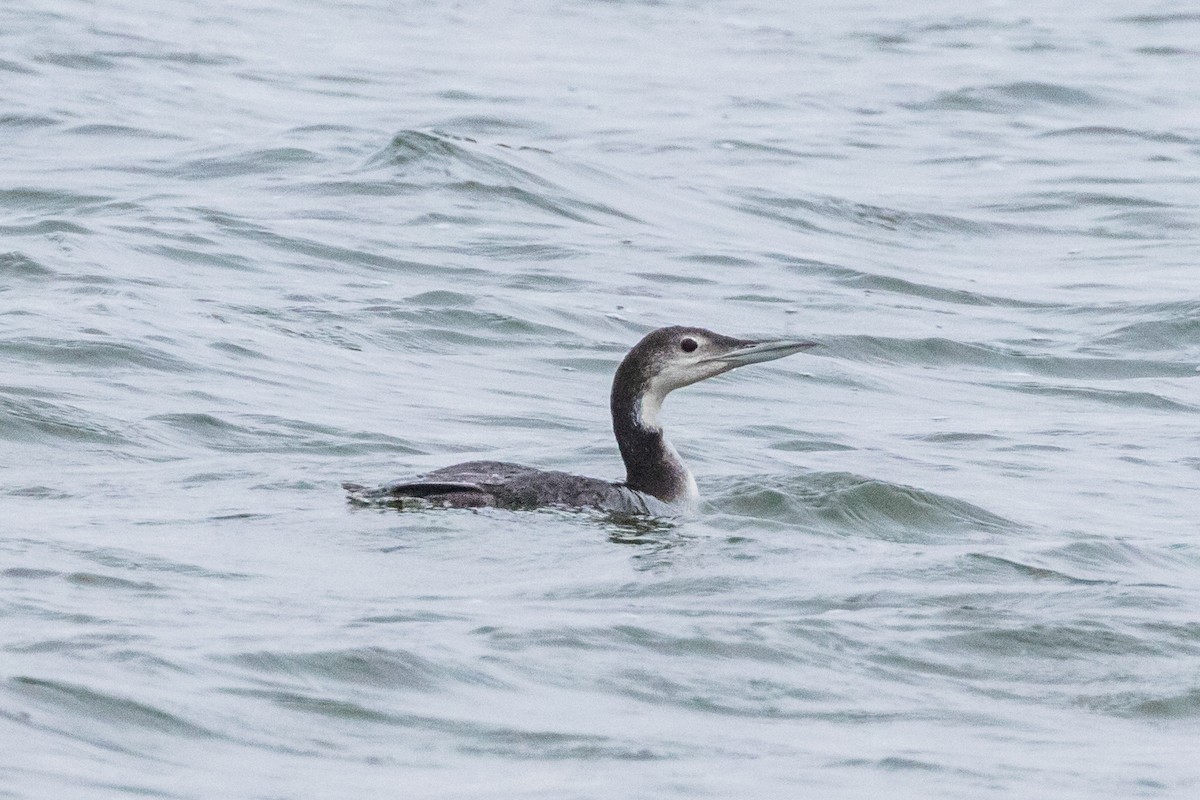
(688, 345)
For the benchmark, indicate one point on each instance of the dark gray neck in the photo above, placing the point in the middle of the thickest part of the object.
(651, 464)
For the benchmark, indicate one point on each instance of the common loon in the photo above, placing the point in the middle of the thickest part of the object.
(656, 479)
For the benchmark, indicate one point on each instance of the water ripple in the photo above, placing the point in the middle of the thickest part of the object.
(842, 503)
(936, 351)
(480, 173)
(1008, 98)
(104, 707)
(369, 666)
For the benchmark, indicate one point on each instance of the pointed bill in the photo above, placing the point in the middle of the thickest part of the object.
(755, 352)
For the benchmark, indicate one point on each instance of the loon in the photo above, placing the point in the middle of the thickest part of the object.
(656, 479)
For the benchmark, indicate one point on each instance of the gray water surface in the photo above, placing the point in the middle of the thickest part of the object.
(251, 249)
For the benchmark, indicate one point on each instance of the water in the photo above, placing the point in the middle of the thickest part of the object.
(251, 249)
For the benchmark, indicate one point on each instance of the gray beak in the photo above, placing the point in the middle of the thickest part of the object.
(755, 352)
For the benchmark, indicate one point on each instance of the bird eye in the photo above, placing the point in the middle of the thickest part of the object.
(688, 345)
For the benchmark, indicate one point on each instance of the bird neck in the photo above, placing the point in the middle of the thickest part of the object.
(651, 464)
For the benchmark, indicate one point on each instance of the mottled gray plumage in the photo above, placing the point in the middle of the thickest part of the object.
(501, 484)
(656, 478)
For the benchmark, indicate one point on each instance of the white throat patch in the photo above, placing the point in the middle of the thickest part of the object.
(647, 412)
(648, 409)
(650, 403)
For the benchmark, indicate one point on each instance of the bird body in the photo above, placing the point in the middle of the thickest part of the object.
(656, 481)
(502, 484)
